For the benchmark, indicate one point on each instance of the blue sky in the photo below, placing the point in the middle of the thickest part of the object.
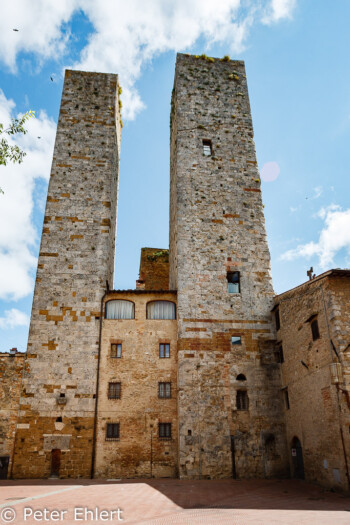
(298, 69)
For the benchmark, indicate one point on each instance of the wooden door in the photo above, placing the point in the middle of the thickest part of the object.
(55, 462)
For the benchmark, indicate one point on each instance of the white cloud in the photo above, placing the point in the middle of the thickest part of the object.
(129, 34)
(39, 25)
(14, 318)
(317, 192)
(335, 236)
(125, 37)
(17, 233)
(278, 10)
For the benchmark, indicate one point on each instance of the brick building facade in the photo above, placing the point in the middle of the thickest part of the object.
(183, 375)
(313, 344)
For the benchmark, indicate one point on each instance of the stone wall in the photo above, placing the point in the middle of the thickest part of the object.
(139, 452)
(76, 259)
(154, 269)
(316, 375)
(11, 373)
(217, 226)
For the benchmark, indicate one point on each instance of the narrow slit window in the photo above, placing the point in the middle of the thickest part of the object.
(116, 350)
(279, 354)
(112, 431)
(236, 340)
(164, 350)
(164, 390)
(286, 399)
(207, 148)
(314, 329)
(233, 282)
(277, 319)
(242, 402)
(114, 390)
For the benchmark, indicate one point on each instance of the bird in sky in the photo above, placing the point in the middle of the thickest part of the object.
(15, 29)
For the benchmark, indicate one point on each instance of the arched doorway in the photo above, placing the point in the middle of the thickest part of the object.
(297, 459)
(55, 463)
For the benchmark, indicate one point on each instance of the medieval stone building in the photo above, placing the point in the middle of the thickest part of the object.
(182, 376)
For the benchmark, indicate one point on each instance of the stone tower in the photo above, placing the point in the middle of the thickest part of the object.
(229, 401)
(56, 424)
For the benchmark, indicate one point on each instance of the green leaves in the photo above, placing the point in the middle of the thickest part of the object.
(9, 153)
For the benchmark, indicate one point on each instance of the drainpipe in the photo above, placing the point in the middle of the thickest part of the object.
(337, 390)
(93, 456)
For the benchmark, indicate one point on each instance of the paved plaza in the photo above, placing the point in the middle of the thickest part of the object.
(171, 501)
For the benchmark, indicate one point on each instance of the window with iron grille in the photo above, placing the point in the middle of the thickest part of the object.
(242, 402)
(314, 329)
(114, 390)
(164, 430)
(116, 350)
(164, 350)
(233, 282)
(207, 149)
(164, 390)
(112, 431)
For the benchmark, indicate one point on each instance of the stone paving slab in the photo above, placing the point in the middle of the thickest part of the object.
(171, 501)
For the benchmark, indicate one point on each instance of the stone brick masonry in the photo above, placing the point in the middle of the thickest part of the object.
(228, 407)
(316, 375)
(76, 259)
(11, 374)
(139, 452)
(217, 226)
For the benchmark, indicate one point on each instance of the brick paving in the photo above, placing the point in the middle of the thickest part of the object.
(171, 501)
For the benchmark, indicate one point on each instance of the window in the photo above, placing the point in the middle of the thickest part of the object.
(164, 390)
(236, 340)
(315, 330)
(116, 350)
(164, 430)
(242, 400)
(164, 350)
(120, 309)
(279, 354)
(112, 431)
(241, 377)
(207, 149)
(286, 399)
(233, 282)
(277, 319)
(114, 390)
(161, 310)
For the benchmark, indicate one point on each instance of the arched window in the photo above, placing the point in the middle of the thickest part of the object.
(242, 402)
(120, 309)
(161, 310)
(241, 377)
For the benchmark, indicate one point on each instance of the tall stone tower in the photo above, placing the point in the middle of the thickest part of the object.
(229, 400)
(56, 423)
